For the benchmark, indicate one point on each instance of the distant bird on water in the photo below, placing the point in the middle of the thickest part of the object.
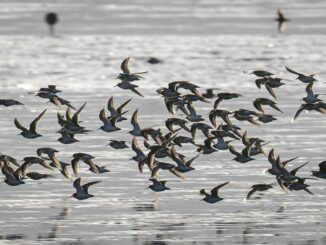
(281, 19)
(51, 19)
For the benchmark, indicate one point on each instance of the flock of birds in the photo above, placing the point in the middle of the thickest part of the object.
(219, 131)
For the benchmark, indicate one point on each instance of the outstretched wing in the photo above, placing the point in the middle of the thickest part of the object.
(270, 91)
(19, 126)
(214, 191)
(120, 108)
(110, 106)
(77, 185)
(250, 193)
(134, 120)
(189, 162)
(75, 118)
(136, 92)
(295, 170)
(258, 106)
(103, 117)
(124, 66)
(280, 14)
(301, 109)
(86, 186)
(33, 124)
(293, 71)
(233, 150)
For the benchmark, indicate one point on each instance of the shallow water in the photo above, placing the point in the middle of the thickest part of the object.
(123, 210)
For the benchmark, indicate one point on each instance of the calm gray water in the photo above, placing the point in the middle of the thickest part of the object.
(84, 60)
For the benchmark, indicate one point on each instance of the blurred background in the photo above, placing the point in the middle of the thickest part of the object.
(163, 17)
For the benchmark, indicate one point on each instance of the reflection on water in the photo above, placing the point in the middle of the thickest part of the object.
(146, 207)
(12, 237)
(51, 235)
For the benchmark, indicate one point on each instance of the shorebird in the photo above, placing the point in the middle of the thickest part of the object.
(285, 175)
(129, 86)
(193, 116)
(321, 173)
(118, 144)
(256, 148)
(136, 131)
(158, 185)
(303, 78)
(51, 19)
(8, 160)
(174, 86)
(213, 197)
(227, 131)
(37, 176)
(72, 123)
(273, 161)
(10, 102)
(93, 167)
(263, 101)
(86, 158)
(166, 166)
(224, 114)
(265, 118)
(186, 167)
(50, 89)
(170, 122)
(205, 128)
(319, 106)
(242, 157)
(82, 190)
(258, 187)
(109, 124)
(183, 166)
(116, 112)
(154, 61)
(222, 144)
(167, 93)
(58, 101)
(67, 137)
(174, 103)
(311, 97)
(207, 148)
(36, 160)
(246, 115)
(280, 19)
(269, 83)
(261, 73)
(209, 94)
(194, 97)
(154, 150)
(31, 132)
(224, 96)
(298, 185)
(74, 119)
(50, 152)
(126, 75)
(14, 178)
(179, 140)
